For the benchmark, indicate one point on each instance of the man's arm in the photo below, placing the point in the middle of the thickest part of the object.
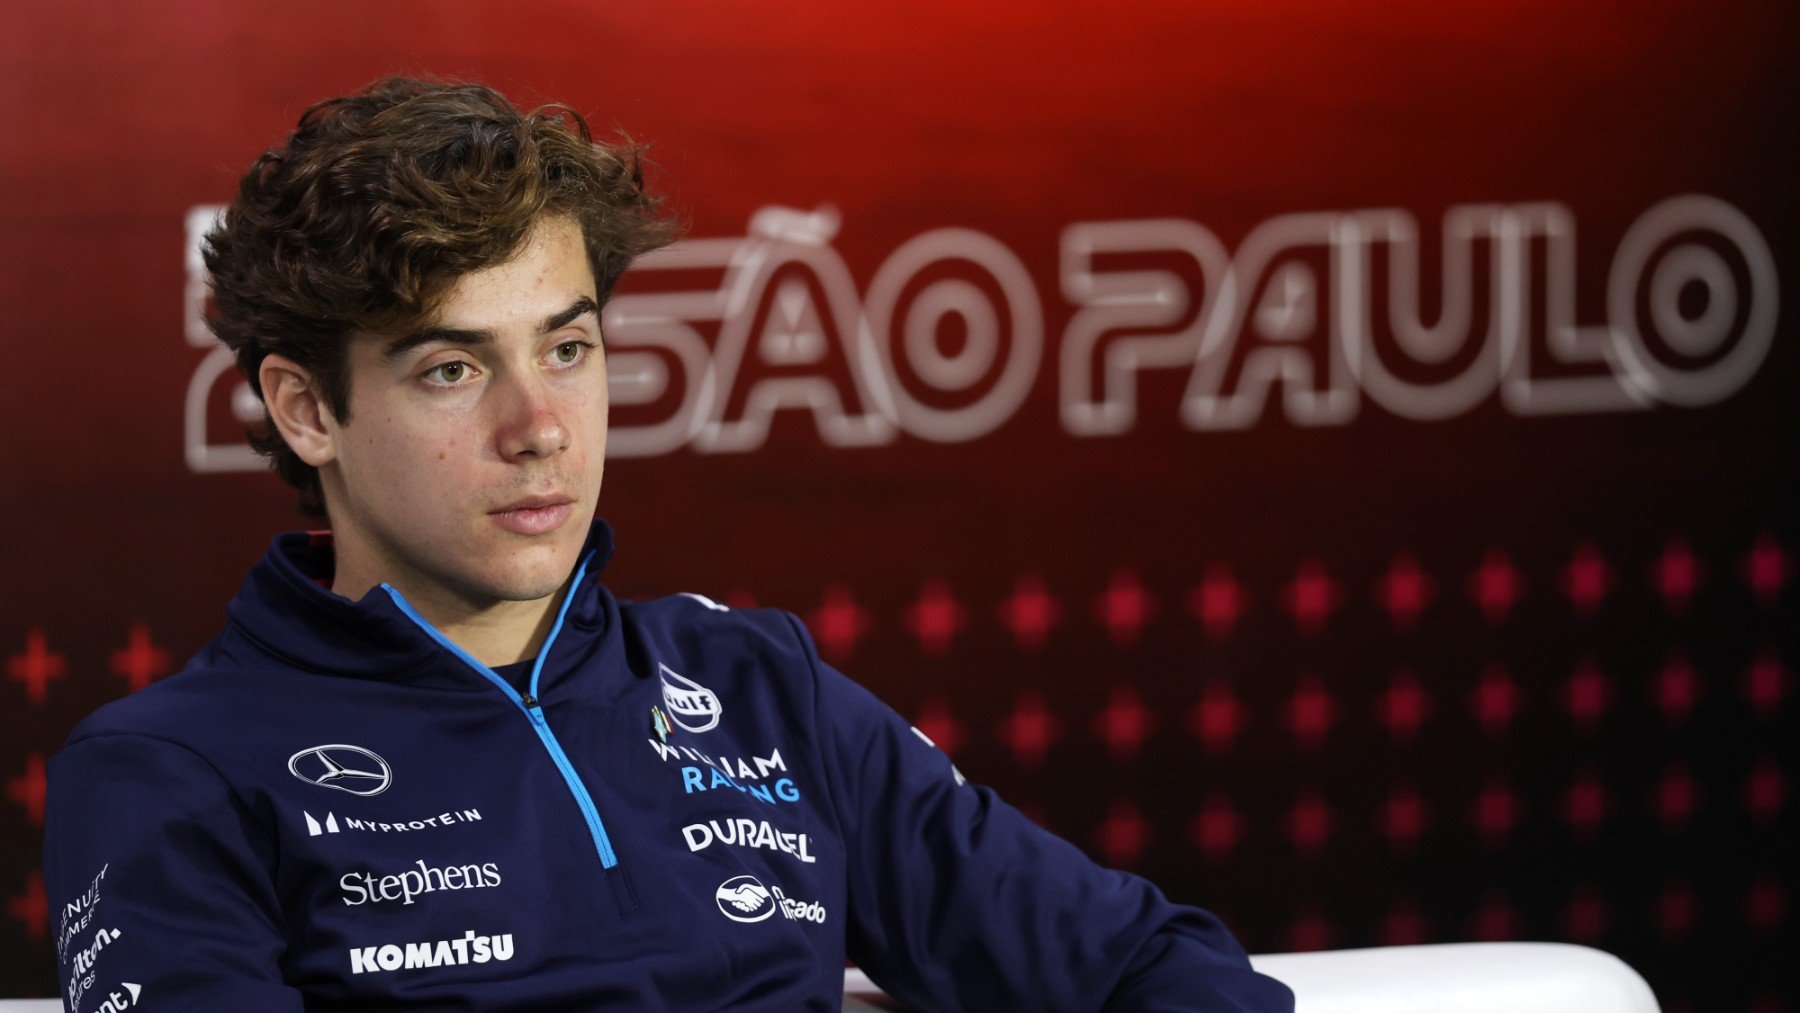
(960, 902)
(160, 883)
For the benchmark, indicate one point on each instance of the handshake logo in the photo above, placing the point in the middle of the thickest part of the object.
(746, 899)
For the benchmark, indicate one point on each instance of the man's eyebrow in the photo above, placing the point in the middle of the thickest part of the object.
(466, 336)
(427, 335)
(568, 316)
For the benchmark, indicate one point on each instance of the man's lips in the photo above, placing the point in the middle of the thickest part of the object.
(535, 515)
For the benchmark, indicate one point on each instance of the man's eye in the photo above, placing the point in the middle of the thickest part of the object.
(570, 351)
(449, 372)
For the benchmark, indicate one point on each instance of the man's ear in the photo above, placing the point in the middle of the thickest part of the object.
(298, 410)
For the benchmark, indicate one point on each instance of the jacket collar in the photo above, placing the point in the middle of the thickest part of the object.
(286, 609)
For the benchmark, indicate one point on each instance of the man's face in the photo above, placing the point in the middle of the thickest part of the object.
(470, 469)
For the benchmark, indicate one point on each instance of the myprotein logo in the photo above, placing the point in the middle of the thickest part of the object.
(406, 887)
(469, 948)
(316, 827)
(691, 705)
(744, 833)
(344, 767)
(746, 899)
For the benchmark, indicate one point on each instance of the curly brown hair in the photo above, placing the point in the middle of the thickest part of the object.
(379, 201)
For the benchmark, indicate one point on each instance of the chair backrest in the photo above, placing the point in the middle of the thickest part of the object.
(1467, 977)
(1464, 977)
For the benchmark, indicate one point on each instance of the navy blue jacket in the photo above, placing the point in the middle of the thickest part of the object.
(333, 807)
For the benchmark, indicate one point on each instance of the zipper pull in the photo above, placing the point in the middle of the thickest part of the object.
(529, 701)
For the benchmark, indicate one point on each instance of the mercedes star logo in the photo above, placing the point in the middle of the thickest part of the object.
(344, 767)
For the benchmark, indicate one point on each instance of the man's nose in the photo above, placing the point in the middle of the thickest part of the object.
(531, 420)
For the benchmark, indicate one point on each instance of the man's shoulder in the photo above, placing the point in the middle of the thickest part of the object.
(689, 606)
(693, 641)
(187, 708)
(689, 620)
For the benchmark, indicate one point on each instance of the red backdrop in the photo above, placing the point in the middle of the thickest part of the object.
(1323, 456)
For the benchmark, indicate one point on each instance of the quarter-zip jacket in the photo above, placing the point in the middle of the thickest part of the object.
(334, 807)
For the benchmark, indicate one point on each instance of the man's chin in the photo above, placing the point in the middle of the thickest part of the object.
(528, 583)
(491, 575)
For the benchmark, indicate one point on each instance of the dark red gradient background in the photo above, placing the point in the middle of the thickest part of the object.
(1019, 120)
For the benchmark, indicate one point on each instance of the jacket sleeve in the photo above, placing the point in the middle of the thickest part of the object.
(958, 901)
(160, 883)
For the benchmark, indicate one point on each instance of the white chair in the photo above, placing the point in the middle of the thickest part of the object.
(1446, 978)
(1461, 978)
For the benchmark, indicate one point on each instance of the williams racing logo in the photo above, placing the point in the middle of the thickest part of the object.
(344, 767)
(746, 899)
(691, 705)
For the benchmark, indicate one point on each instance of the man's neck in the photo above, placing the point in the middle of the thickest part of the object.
(493, 633)
(502, 634)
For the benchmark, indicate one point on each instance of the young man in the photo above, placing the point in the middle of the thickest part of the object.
(432, 763)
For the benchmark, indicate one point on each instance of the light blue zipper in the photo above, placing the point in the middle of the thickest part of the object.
(532, 711)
